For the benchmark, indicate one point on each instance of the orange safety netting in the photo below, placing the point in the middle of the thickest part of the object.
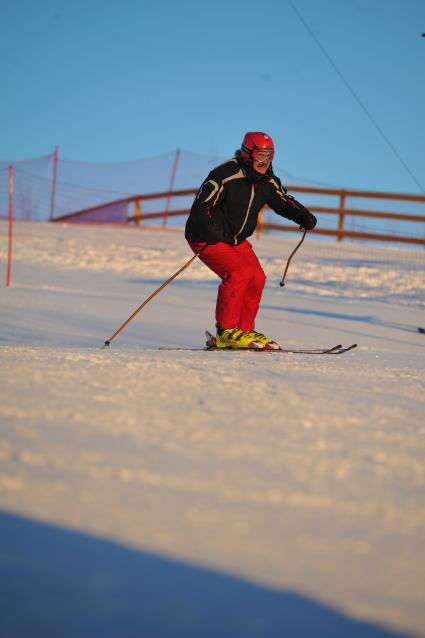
(49, 187)
(46, 190)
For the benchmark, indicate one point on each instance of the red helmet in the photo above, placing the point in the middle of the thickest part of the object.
(256, 141)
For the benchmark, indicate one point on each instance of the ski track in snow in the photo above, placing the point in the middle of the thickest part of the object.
(294, 472)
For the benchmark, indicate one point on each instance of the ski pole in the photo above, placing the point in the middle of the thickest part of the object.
(108, 342)
(282, 282)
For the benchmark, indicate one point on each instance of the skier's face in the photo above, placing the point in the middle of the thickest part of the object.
(261, 160)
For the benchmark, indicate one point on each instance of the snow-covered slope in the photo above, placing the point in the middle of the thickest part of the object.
(300, 478)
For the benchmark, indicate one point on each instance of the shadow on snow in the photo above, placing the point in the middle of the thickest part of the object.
(57, 583)
(373, 321)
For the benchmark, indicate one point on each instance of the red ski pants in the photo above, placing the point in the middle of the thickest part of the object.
(242, 282)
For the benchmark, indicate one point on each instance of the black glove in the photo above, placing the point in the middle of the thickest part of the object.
(307, 220)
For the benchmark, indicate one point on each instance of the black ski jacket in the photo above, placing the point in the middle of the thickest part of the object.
(227, 204)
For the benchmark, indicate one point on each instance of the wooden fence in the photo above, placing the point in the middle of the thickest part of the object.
(339, 210)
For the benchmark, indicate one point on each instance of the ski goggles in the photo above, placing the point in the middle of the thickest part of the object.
(263, 155)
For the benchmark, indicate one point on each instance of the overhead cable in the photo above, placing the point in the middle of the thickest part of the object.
(356, 97)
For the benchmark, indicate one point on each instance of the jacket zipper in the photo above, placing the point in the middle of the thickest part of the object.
(235, 239)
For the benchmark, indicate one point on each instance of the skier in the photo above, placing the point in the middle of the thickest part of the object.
(223, 215)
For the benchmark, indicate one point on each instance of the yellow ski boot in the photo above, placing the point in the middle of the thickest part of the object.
(268, 344)
(237, 338)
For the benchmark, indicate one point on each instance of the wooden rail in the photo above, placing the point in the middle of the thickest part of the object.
(341, 211)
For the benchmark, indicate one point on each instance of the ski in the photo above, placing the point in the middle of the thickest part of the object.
(338, 349)
(334, 350)
(211, 347)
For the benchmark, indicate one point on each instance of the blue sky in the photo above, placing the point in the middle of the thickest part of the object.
(110, 81)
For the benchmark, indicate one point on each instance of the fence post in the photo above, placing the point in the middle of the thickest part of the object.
(137, 211)
(171, 186)
(54, 179)
(341, 216)
(259, 223)
(9, 252)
